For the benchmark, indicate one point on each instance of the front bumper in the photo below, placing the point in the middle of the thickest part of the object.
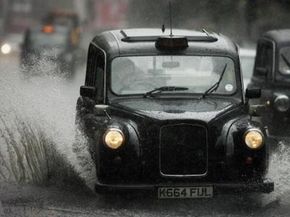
(265, 186)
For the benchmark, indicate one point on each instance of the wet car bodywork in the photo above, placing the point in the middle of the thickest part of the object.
(271, 75)
(169, 139)
(48, 43)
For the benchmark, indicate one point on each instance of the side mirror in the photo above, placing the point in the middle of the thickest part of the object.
(87, 91)
(262, 71)
(253, 93)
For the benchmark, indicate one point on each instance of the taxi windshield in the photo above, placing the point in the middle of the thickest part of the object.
(190, 74)
(284, 61)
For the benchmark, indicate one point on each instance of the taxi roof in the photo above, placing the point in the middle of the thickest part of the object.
(279, 36)
(142, 41)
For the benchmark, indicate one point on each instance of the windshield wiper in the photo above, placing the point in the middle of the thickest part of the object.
(164, 88)
(216, 85)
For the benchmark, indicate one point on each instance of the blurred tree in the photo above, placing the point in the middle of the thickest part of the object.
(237, 18)
(222, 11)
(250, 14)
(146, 13)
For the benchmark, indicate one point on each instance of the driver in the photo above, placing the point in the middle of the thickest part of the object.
(126, 76)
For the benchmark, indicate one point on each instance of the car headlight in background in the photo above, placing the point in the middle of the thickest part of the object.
(114, 138)
(5, 48)
(254, 139)
(282, 103)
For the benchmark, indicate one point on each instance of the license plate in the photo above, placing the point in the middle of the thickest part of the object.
(185, 192)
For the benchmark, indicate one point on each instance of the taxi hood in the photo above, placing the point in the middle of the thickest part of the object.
(177, 109)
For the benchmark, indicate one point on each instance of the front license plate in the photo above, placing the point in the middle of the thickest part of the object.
(185, 192)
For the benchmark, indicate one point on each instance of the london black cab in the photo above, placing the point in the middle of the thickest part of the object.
(166, 112)
(272, 76)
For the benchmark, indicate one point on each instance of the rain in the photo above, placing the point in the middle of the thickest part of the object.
(45, 165)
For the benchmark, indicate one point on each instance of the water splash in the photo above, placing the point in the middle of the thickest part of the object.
(279, 170)
(43, 102)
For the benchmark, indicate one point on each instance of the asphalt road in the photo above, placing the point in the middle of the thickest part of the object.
(48, 100)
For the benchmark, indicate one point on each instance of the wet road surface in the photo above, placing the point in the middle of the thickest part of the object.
(50, 201)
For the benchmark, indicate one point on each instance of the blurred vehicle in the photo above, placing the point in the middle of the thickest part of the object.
(68, 19)
(272, 75)
(49, 43)
(10, 44)
(167, 114)
(247, 58)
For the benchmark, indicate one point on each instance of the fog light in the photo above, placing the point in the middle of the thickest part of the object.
(114, 138)
(254, 139)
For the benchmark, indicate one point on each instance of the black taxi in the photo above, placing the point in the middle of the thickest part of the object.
(166, 112)
(272, 76)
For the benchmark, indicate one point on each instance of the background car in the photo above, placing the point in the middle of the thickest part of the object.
(272, 75)
(49, 43)
(68, 19)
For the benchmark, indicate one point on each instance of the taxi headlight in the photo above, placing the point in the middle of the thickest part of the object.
(282, 103)
(254, 139)
(114, 138)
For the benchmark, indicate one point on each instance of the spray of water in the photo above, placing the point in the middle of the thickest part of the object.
(37, 118)
(279, 168)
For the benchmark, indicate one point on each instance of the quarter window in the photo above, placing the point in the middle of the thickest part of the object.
(95, 71)
(264, 58)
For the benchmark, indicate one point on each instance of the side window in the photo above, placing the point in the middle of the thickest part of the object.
(264, 59)
(91, 65)
(95, 71)
(100, 76)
